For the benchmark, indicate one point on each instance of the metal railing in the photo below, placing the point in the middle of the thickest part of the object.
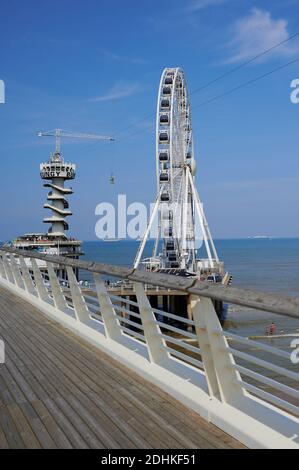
(246, 387)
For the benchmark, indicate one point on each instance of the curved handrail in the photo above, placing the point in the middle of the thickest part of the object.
(280, 304)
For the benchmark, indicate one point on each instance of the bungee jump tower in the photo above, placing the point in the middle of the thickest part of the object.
(56, 172)
(55, 242)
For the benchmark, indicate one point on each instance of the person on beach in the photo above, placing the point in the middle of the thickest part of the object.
(272, 329)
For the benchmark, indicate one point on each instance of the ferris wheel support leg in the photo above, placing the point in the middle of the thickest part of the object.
(157, 238)
(155, 249)
(147, 232)
(201, 218)
(185, 209)
(205, 222)
(211, 240)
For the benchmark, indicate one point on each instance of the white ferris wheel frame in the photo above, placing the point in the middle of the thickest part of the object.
(180, 168)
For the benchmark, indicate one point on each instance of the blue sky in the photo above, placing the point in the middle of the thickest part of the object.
(95, 66)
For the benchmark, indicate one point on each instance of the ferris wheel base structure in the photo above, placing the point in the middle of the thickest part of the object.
(182, 225)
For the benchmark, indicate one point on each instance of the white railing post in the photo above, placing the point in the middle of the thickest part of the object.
(58, 297)
(80, 307)
(156, 344)
(2, 270)
(16, 272)
(206, 318)
(204, 345)
(39, 282)
(7, 268)
(111, 322)
(27, 277)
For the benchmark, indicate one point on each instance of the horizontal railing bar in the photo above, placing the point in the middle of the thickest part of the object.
(156, 310)
(95, 303)
(130, 322)
(180, 342)
(183, 356)
(122, 299)
(293, 409)
(174, 317)
(288, 306)
(129, 312)
(90, 298)
(134, 314)
(176, 330)
(264, 364)
(267, 381)
(133, 333)
(250, 342)
(91, 306)
(97, 317)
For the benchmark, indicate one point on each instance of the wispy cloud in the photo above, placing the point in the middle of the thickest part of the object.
(123, 58)
(118, 91)
(201, 4)
(258, 32)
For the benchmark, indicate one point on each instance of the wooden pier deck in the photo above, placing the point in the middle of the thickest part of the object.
(58, 391)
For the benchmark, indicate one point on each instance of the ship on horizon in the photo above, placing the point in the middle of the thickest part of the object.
(260, 237)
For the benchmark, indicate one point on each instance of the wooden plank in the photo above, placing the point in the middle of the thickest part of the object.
(123, 439)
(34, 376)
(64, 423)
(70, 394)
(59, 398)
(133, 408)
(200, 431)
(9, 428)
(47, 444)
(97, 422)
(3, 441)
(15, 381)
(37, 426)
(175, 405)
(92, 440)
(5, 396)
(143, 418)
(130, 433)
(23, 427)
(160, 440)
(50, 424)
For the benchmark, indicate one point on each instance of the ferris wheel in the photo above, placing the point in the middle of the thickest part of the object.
(177, 207)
